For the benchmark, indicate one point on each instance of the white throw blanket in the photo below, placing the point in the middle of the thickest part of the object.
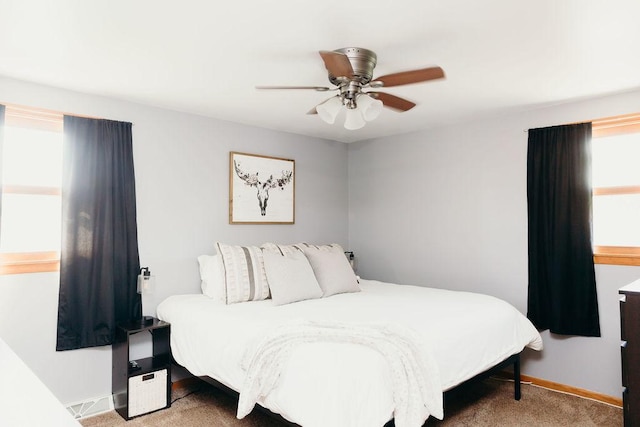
(417, 391)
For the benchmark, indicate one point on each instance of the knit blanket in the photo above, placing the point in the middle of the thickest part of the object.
(417, 391)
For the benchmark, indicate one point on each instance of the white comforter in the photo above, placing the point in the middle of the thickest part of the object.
(339, 383)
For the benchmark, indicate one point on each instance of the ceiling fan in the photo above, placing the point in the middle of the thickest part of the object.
(351, 72)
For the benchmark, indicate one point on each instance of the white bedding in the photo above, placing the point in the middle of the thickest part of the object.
(345, 384)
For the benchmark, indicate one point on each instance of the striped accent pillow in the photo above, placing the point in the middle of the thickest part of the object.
(244, 274)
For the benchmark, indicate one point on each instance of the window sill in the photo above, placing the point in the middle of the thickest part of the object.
(614, 259)
(35, 262)
(616, 255)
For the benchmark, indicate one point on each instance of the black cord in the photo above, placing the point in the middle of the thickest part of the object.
(188, 394)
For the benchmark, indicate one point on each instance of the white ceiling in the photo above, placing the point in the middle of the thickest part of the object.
(205, 57)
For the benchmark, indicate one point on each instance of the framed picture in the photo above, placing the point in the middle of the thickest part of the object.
(261, 189)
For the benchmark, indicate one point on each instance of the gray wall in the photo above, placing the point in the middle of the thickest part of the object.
(182, 180)
(444, 208)
(447, 208)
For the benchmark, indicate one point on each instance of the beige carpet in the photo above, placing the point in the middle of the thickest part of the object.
(489, 403)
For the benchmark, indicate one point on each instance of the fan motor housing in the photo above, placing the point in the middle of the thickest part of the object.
(363, 61)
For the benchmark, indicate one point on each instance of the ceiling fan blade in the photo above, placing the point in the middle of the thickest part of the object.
(316, 88)
(337, 63)
(392, 101)
(408, 77)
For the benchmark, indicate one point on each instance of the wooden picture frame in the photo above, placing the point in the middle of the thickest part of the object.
(261, 189)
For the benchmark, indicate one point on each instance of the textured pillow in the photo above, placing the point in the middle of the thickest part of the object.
(332, 270)
(288, 249)
(290, 278)
(244, 274)
(211, 278)
(280, 249)
(333, 247)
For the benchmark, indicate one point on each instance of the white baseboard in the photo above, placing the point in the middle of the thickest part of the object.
(91, 407)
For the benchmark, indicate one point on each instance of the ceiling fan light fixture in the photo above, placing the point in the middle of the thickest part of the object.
(350, 72)
(371, 108)
(354, 119)
(329, 110)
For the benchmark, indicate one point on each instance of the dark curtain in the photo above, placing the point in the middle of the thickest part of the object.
(99, 261)
(562, 284)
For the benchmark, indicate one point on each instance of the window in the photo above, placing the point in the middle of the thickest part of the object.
(616, 190)
(30, 226)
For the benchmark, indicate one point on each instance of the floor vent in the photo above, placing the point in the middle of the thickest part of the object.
(91, 407)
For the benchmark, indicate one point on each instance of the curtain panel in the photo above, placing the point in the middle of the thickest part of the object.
(562, 286)
(99, 260)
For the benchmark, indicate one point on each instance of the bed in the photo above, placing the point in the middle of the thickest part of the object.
(337, 381)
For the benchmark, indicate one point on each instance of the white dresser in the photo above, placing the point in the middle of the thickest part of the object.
(24, 400)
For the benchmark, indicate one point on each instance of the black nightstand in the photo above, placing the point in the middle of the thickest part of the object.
(630, 352)
(144, 385)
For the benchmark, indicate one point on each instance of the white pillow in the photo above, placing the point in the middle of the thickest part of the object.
(243, 271)
(280, 249)
(211, 278)
(288, 249)
(333, 247)
(332, 270)
(290, 278)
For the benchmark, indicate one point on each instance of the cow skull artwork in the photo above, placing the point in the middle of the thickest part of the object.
(263, 187)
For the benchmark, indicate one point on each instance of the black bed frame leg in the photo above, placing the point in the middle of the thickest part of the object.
(516, 377)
